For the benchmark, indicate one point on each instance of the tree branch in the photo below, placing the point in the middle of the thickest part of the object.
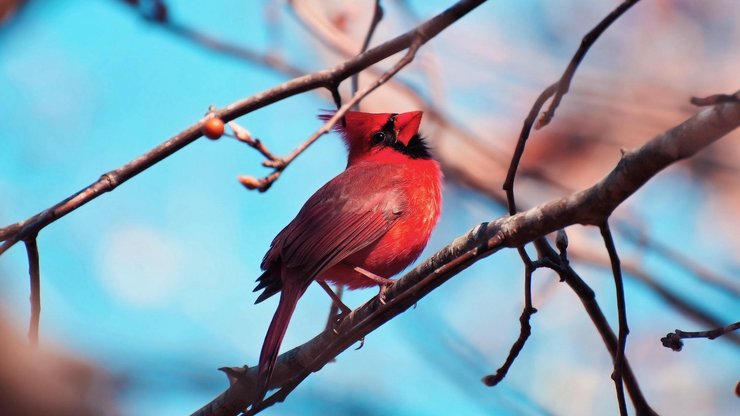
(34, 272)
(617, 375)
(321, 79)
(377, 17)
(557, 89)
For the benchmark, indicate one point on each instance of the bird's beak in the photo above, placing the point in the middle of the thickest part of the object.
(407, 125)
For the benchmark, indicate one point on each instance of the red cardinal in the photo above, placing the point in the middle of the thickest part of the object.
(362, 227)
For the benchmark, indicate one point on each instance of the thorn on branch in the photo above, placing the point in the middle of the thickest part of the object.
(234, 374)
(673, 340)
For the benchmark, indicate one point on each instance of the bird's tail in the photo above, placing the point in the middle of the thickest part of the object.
(274, 337)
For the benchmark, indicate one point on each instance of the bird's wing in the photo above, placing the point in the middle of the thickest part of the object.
(350, 212)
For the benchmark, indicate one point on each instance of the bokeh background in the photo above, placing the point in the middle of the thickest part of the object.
(152, 283)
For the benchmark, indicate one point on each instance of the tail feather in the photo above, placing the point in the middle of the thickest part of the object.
(275, 334)
(269, 282)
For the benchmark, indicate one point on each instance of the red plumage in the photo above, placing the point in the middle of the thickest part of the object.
(377, 215)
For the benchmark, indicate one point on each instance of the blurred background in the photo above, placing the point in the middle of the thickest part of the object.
(147, 290)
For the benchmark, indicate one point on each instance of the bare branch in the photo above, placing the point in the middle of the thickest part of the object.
(673, 339)
(209, 42)
(668, 295)
(564, 83)
(617, 375)
(34, 273)
(377, 17)
(558, 89)
(525, 329)
(321, 79)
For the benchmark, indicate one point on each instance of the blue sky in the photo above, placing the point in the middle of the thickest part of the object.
(155, 279)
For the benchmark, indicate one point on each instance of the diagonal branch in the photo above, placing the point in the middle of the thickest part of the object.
(377, 17)
(563, 85)
(591, 206)
(14, 233)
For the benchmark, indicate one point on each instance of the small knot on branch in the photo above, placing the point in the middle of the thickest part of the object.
(110, 179)
(672, 341)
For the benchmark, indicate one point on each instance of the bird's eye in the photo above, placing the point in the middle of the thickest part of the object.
(378, 137)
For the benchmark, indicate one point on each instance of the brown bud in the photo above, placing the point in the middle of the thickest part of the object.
(250, 182)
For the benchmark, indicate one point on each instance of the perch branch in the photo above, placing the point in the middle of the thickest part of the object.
(591, 206)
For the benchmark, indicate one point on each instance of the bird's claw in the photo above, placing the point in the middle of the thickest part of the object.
(383, 288)
(362, 343)
(338, 319)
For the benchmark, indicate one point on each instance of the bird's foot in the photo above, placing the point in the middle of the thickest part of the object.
(383, 283)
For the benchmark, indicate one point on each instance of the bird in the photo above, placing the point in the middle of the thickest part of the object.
(362, 227)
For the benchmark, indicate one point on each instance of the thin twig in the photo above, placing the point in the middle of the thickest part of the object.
(34, 272)
(210, 42)
(694, 268)
(244, 136)
(679, 302)
(619, 359)
(564, 83)
(525, 329)
(377, 17)
(558, 89)
(673, 339)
